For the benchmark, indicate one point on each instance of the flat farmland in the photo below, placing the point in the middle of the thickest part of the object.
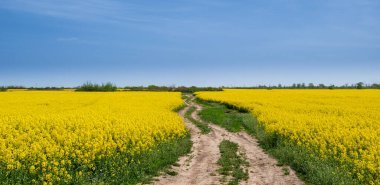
(77, 137)
(342, 126)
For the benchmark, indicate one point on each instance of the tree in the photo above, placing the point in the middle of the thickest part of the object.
(360, 85)
(376, 86)
(321, 86)
(88, 86)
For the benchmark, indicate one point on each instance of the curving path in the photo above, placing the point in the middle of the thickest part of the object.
(200, 166)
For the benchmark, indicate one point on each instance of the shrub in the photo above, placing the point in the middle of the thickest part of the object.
(104, 87)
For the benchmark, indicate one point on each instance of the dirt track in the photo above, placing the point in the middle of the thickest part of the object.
(200, 166)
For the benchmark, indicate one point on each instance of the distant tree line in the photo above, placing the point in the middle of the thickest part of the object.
(14, 87)
(104, 87)
(359, 85)
(172, 88)
(5, 88)
(46, 88)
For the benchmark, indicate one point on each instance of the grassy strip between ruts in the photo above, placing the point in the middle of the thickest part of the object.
(231, 163)
(186, 97)
(308, 165)
(202, 126)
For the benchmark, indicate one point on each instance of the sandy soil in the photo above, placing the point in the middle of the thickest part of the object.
(200, 166)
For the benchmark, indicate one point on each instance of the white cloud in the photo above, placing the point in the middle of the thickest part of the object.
(112, 11)
(83, 10)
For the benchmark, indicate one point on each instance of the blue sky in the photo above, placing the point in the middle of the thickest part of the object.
(189, 42)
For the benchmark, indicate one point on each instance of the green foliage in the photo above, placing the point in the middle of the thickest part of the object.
(308, 165)
(231, 163)
(171, 173)
(2, 89)
(286, 170)
(360, 85)
(93, 87)
(186, 97)
(202, 126)
(46, 88)
(183, 89)
(220, 114)
(375, 86)
(116, 170)
(179, 108)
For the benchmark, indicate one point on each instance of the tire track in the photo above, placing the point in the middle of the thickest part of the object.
(200, 166)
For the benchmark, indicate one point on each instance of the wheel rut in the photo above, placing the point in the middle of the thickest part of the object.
(200, 166)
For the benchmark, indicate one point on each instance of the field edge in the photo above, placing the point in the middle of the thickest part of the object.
(308, 165)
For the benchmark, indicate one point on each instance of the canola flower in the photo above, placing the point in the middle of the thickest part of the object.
(55, 137)
(339, 124)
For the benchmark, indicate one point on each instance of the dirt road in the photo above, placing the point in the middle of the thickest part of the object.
(200, 166)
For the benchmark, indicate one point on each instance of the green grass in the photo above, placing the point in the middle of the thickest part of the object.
(179, 108)
(231, 119)
(286, 170)
(115, 170)
(311, 168)
(231, 163)
(186, 97)
(202, 126)
(171, 173)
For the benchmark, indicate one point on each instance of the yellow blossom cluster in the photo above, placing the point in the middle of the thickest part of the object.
(339, 124)
(53, 135)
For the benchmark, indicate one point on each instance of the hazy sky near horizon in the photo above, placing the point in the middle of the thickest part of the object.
(189, 42)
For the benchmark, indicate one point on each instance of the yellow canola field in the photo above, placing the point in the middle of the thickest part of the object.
(342, 124)
(52, 134)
